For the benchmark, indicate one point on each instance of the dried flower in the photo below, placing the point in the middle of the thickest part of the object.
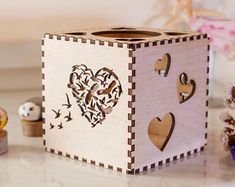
(224, 139)
(229, 100)
(227, 137)
(230, 132)
(227, 118)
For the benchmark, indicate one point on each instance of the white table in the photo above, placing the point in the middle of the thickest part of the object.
(28, 165)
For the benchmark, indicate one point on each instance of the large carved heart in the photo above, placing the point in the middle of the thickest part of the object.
(185, 88)
(160, 131)
(96, 94)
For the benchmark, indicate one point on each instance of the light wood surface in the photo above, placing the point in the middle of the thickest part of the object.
(32, 128)
(160, 130)
(185, 87)
(89, 59)
(157, 95)
(162, 65)
(76, 138)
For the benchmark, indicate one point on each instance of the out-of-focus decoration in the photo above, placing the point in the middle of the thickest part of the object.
(220, 29)
(3, 133)
(31, 110)
(3, 118)
(228, 134)
(30, 113)
(184, 15)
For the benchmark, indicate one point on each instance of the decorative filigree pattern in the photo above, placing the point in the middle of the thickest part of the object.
(96, 94)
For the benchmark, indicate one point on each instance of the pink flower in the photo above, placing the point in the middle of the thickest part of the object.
(232, 32)
(221, 33)
(226, 47)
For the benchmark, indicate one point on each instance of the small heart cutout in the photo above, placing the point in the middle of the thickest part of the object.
(96, 94)
(185, 88)
(162, 66)
(160, 131)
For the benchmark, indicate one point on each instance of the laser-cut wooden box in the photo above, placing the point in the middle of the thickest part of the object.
(126, 99)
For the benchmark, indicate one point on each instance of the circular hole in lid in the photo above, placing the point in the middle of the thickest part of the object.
(175, 33)
(130, 39)
(126, 34)
(123, 28)
(76, 33)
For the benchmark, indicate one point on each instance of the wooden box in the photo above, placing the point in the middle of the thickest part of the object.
(122, 98)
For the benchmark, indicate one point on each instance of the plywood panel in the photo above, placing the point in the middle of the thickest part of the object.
(106, 143)
(157, 95)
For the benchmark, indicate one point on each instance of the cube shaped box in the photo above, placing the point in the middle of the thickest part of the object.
(125, 98)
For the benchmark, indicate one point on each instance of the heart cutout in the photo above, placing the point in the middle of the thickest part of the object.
(160, 131)
(162, 66)
(96, 94)
(185, 88)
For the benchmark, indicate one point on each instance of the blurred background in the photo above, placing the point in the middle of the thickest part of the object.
(24, 22)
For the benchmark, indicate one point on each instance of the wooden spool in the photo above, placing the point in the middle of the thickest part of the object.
(3, 142)
(32, 128)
